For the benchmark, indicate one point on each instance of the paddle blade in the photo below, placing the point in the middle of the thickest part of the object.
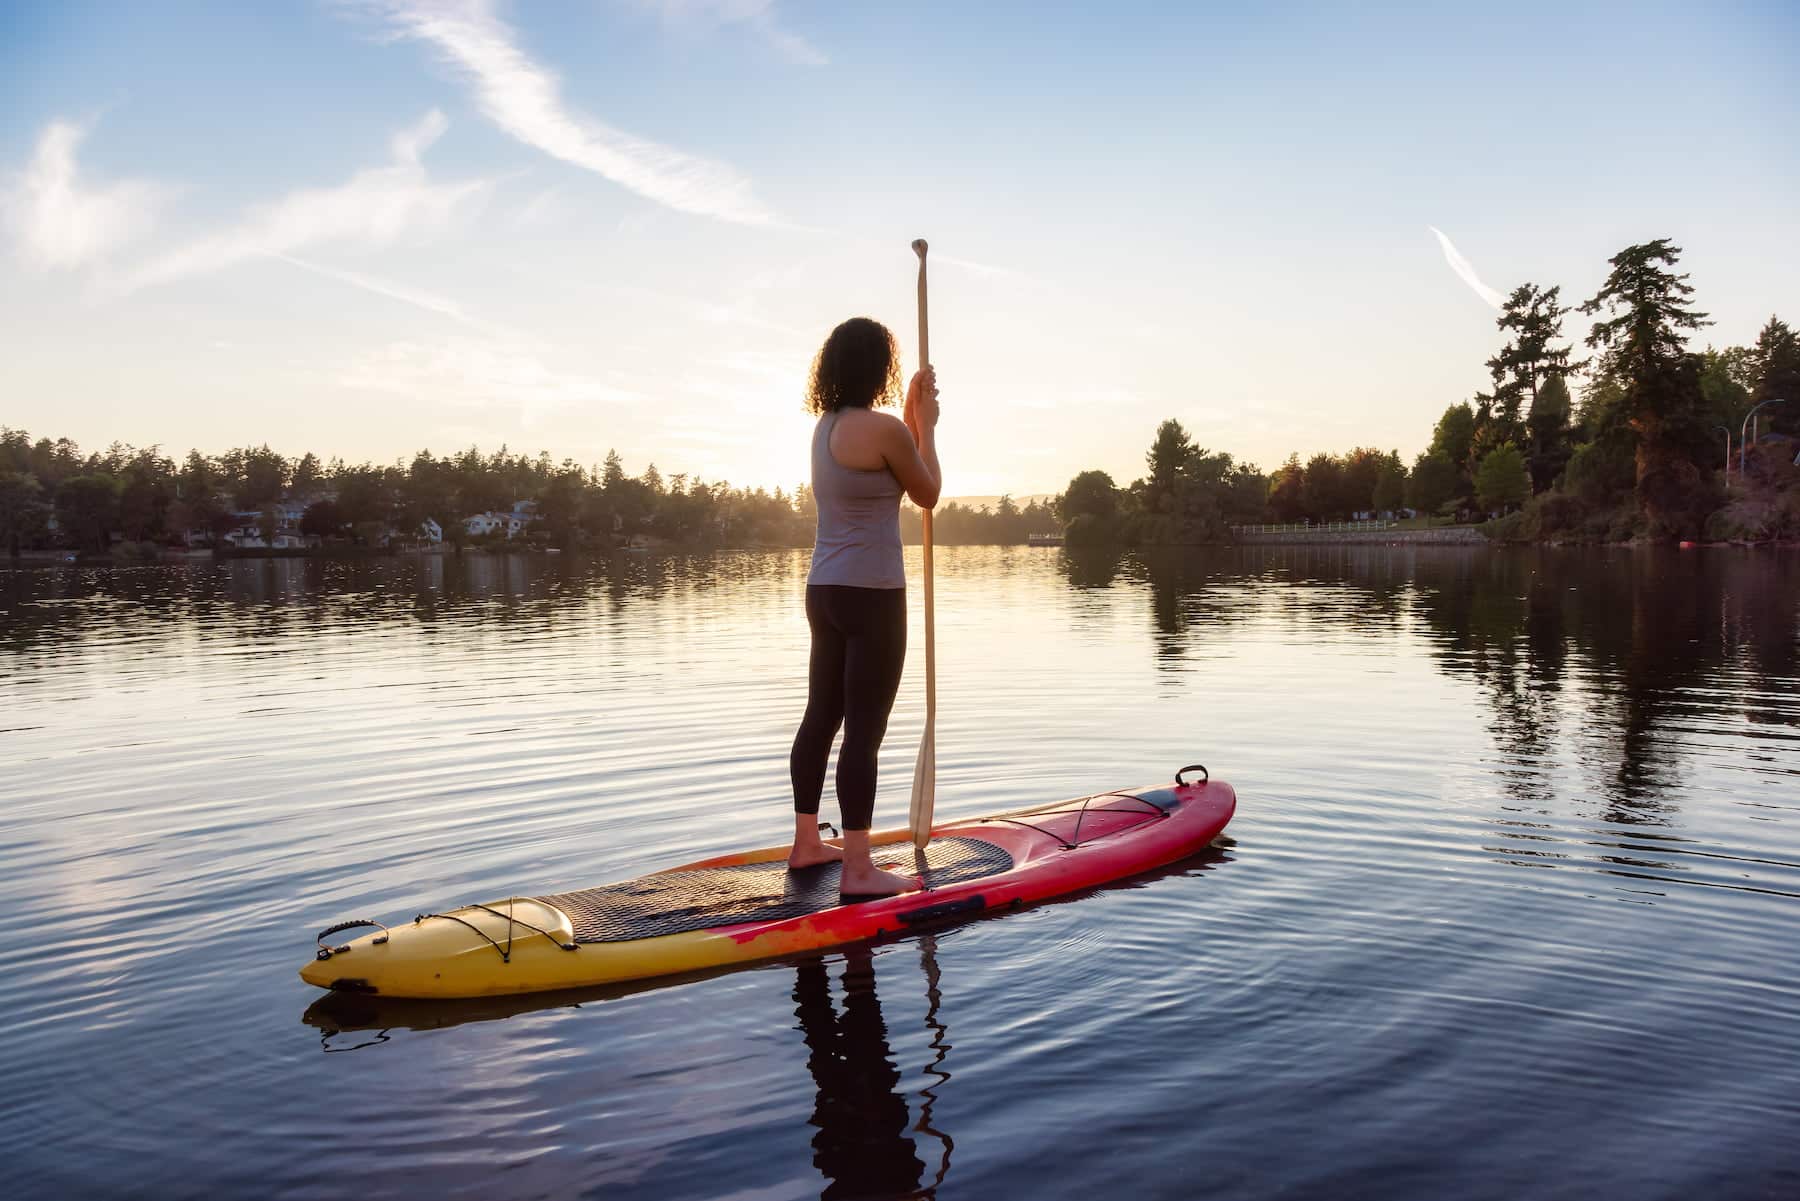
(924, 791)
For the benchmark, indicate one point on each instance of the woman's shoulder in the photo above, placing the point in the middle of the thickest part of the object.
(869, 418)
(866, 440)
(871, 424)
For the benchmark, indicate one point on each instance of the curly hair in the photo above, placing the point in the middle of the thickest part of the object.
(858, 367)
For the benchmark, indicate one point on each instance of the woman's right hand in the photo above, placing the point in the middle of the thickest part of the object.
(921, 411)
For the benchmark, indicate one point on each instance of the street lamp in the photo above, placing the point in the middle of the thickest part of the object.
(1746, 429)
(1726, 430)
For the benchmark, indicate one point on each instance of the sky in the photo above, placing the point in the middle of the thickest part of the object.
(369, 227)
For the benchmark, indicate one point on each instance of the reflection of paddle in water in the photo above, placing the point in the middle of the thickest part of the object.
(863, 1145)
(940, 1046)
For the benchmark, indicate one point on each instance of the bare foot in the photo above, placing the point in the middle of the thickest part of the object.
(869, 880)
(813, 854)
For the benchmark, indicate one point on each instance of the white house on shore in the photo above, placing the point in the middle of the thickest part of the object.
(247, 534)
(431, 531)
(510, 524)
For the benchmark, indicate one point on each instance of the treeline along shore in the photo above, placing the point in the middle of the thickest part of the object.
(1665, 443)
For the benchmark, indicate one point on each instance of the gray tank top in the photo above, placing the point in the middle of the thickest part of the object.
(858, 540)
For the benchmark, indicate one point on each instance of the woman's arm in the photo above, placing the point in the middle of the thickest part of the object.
(910, 448)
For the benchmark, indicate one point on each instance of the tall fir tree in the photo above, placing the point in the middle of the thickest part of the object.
(1534, 318)
(1646, 318)
(1548, 433)
(1641, 340)
(612, 476)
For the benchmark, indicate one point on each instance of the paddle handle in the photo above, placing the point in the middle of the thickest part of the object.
(924, 794)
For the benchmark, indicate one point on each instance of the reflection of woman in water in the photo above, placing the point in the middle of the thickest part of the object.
(862, 1147)
(856, 590)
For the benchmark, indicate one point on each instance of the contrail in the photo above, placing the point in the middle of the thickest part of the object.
(1461, 266)
(525, 99)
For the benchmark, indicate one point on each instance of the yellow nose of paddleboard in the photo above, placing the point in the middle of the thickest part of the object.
(472, 951)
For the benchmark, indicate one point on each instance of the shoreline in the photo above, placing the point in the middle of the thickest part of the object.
(1453, 537)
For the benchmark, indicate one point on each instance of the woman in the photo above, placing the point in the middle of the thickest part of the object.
(862, 460)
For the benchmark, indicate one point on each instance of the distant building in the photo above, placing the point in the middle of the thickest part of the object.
(246, 533)
(481, 524)
(431, 531)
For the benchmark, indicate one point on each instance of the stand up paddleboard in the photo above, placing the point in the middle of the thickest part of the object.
(749, 906)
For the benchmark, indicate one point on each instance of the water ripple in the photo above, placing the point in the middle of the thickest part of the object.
(1506, 911)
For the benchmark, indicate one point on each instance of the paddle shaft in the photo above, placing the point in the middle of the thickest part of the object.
(924, 794)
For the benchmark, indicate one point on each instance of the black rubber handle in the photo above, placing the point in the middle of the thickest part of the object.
(326, 952)
(1199, 767)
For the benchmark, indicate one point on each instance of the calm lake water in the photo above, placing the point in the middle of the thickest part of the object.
(1511, 906)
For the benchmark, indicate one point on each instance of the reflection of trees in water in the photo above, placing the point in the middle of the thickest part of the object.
(52, 611)
(1185, 597)
(1646, 631)
(1195, 593)
(1626, 638)
(1493, 617)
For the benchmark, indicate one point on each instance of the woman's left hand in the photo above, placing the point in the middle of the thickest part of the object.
(921, 411)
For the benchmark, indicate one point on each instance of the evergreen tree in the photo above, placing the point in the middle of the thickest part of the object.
(1549, 443)
(1727, 378)
(614, 473)
(1285, 500)
(23, 512)
(1642, 342)
(1534, 318)
(87, 507)
(1322, 488)
(197, 482)
(1169, 454)
(1642, 333)
(258, 475)
(1246, 494)
(1602, 406)
(1390, 484)
(1776, 361)
(146, 490)
(322, 519)
(307, 474)
(559, 505)
(1362, 472)
(1491, 433)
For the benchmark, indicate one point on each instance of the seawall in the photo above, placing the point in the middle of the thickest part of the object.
(1456, 535)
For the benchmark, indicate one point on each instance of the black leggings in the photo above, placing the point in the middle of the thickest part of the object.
(858, 649)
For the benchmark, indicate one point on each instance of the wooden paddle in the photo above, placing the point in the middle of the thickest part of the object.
(924, 790)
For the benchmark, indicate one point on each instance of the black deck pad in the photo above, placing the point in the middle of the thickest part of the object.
(676, 902)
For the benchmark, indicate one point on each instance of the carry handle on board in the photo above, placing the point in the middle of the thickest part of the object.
(1199, 767)
(326, 952)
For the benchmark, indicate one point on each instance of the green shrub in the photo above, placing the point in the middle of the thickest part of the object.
(1092, 529)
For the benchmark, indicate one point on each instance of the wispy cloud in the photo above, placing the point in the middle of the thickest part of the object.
(756, 15)
(57, 220)
(419, 298)
(525, 99)
(1464, 270)
(486, 373)
(378, 207)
